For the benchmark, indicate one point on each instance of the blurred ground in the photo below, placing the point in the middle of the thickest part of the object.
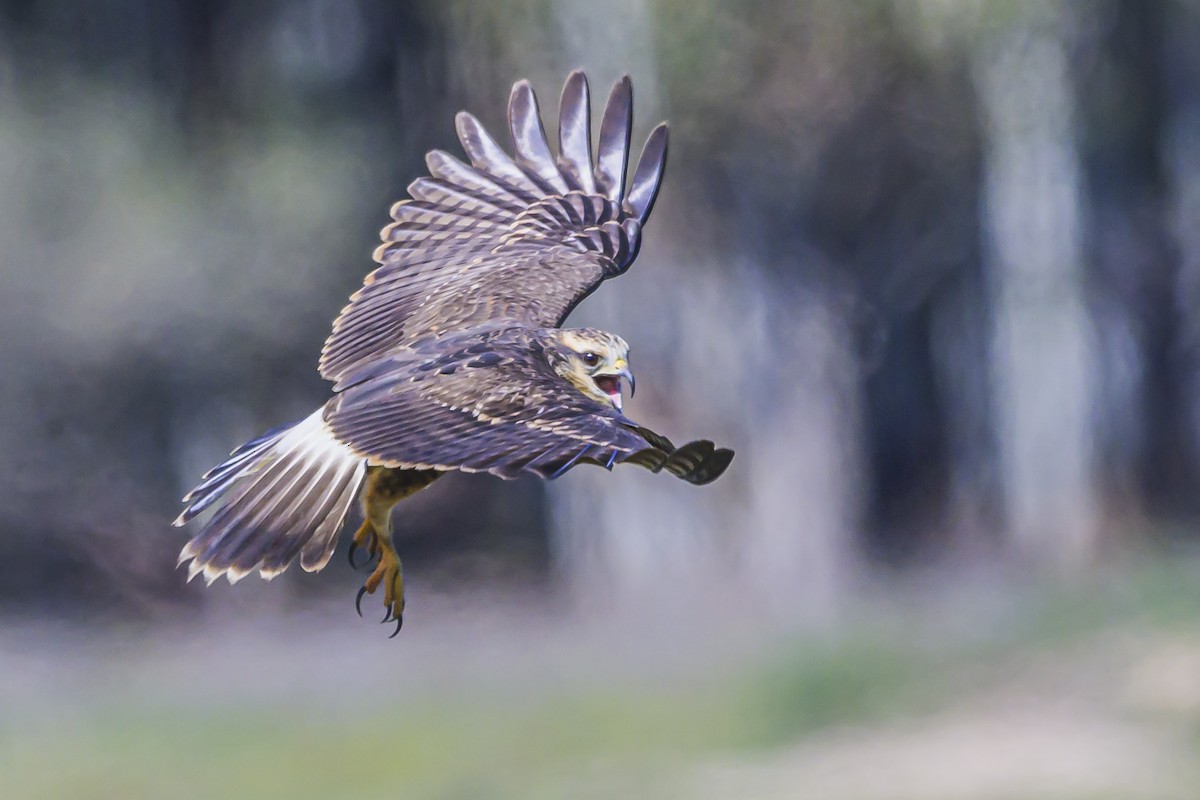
(931, 268)
(955, 693)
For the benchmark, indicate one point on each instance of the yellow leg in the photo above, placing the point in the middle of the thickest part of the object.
(385, 488)
(388, 571)
(364, 539)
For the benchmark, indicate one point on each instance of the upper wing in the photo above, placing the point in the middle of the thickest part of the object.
(522, 238)
(489, 402)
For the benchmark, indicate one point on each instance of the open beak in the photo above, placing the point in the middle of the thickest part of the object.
(610, 383)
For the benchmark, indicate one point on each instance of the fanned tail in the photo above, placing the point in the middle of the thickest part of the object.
(283, 494)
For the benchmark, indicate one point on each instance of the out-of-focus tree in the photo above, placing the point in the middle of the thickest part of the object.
(929, 266)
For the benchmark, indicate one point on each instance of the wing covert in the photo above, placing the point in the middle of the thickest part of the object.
(488, 401)
(522, 237)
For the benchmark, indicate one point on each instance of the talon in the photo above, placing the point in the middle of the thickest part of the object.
(387, 572)
(364, 539)
(399, 625)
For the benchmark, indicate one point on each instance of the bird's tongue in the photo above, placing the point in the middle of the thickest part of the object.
(610, 385)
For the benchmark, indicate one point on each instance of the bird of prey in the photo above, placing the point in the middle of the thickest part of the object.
(450, 356)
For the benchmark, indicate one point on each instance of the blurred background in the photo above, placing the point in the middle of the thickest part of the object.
(931, 267)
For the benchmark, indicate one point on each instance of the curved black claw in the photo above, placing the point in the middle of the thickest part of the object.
(399, 625)
(358, 600)
(350, 554)
(387, 616)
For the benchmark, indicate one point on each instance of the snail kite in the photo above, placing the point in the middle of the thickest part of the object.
(450, 356)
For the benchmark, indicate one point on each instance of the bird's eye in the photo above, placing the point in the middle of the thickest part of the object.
(591, 359)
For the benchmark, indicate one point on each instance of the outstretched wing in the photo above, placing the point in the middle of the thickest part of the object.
(490, 402)
(522, 238)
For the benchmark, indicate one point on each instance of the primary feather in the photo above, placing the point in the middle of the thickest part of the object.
(519, 238)
(450, 356)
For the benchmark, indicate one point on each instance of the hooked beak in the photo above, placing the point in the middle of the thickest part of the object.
(610, 383)
(623, 371)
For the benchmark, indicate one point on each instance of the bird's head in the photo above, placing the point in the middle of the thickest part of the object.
(594, 362)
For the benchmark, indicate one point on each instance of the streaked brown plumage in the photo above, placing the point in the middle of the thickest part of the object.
(450, 357)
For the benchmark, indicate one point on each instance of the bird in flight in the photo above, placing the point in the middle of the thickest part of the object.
(450, 356)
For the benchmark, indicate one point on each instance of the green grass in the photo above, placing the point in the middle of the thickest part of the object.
(480, 743)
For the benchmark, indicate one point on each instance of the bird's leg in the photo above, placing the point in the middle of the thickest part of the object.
(364, 539)
(385, 488)
(375, 536)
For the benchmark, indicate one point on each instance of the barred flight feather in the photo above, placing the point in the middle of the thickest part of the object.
(279, 495)
(488, 156)
(613, 158)
(575, 134)
(648, 175)
(529, 139)
(446, 167)
(522, 238)
(449, 358)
